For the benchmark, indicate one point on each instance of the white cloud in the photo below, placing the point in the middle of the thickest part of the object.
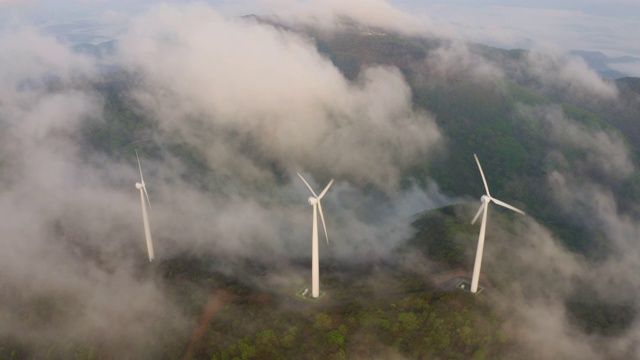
(605, 152)
(452, 59)
(379, 13)
(62, 209)
(205, 75)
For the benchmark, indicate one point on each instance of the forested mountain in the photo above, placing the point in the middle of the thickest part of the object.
(602, 63)
(496, 117)
(223, 124)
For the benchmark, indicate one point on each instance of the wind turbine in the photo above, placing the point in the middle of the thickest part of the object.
(145, 217)
(484, 208)
(315, 266)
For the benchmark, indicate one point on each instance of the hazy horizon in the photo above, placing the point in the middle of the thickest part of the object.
(593, 25)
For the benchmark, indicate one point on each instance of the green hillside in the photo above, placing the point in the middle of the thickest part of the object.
(486, 118)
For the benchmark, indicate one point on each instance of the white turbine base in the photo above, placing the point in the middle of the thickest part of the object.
(147, 230)
(478, 263)
(315, 258)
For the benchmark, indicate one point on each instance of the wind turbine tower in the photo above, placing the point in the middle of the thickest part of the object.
(484, 209)
(315, 261)
(145, 217)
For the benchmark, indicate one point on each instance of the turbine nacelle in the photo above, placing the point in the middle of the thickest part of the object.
(314, 200)
(485, 199)
(139, 186)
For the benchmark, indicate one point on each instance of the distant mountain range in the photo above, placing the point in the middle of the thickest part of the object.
(82, 31)
(97, 39)
(606, 66)
(98, 50)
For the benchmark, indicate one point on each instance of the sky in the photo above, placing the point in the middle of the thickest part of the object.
(609, 26)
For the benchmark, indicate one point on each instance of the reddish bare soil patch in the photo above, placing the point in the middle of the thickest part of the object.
(217, 300)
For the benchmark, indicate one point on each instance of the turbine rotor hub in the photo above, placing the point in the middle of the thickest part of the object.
(312, 200)
(485, 199)
(139, 186)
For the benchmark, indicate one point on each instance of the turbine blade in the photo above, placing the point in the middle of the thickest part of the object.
(486, 187)
(504, 204)
(325, 189)
(140, 168)
(147, 231)
(144, 187)
(147, 235)
(308, 186)
(322, 218)
(478, 213)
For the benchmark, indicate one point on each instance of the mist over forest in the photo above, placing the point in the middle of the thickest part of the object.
(224, 111)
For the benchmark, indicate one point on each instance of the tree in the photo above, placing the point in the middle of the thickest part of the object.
(323, 322)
